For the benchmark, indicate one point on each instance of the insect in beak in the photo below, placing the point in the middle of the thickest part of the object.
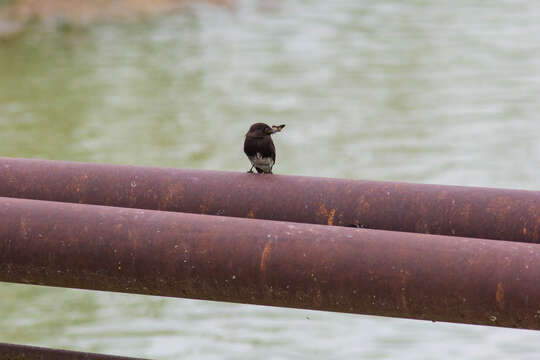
(277, 128)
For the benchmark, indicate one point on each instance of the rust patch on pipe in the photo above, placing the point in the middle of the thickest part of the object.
(499, 296)
(404, 276)
(265, 256)
(331, 217)
(322, 212)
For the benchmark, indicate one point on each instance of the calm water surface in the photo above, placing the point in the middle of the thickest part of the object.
(443, 92)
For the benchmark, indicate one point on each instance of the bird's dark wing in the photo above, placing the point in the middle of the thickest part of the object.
(263, 145)
(267, 147)
(250, 146)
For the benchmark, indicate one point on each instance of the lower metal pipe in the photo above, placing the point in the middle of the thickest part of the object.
(500, 214)
(23, 352)
(274, 263)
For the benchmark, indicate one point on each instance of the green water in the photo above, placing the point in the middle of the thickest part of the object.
(382, 90)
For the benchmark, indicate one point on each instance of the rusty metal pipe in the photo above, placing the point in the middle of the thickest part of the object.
(511, 215)
(24, 352)
(262, 262)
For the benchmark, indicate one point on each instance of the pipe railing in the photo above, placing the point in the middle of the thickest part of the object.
(146, 230)
(406, 275)
(24, 352)
(500, 214)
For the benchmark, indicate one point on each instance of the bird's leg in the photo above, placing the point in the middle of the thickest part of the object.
(250, 171)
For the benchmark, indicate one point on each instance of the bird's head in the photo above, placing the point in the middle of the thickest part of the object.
(261, 129)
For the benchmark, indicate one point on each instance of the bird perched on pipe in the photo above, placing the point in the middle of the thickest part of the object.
(260, 148)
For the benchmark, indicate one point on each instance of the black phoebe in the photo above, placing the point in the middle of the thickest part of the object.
(259, 147)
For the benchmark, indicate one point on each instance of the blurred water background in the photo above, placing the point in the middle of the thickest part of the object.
(431, 92)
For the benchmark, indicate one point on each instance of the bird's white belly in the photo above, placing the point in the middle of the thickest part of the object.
(264, 163)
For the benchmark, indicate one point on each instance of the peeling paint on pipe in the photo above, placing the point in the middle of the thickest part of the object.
(511, 215)
(23, 352)
(307, 266)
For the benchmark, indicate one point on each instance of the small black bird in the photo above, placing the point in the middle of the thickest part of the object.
(260, 148)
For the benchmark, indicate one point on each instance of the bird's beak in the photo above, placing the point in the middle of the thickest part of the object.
(277, 128)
